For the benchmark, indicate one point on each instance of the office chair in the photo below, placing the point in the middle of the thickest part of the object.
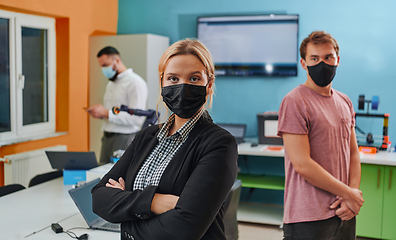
(45, 177)
(230, 211)
(7, 189)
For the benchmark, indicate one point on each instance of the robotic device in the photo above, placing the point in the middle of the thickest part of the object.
(151, 116)
(370, 145)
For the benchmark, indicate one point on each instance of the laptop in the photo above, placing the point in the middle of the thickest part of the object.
(237, 130)
(83, 199)
(72, 160)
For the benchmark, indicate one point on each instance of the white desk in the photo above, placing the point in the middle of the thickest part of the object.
(259, 150)
(36, 208)
(98, 172)
(380, 158)
(273, 214)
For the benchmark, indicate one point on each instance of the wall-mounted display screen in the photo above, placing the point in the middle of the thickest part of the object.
(260, 45)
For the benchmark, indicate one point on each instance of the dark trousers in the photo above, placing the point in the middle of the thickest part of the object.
(329, 229)
(112, 142)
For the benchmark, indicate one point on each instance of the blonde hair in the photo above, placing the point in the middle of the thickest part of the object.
(318, 37)
(190, 47)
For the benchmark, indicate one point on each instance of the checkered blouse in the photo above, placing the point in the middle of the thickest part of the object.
(152, 169)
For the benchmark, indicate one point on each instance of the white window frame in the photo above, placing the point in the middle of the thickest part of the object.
(18, 131)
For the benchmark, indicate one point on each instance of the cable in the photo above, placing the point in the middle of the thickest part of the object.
(245, 159)
(77, 228)
(58, 229)
(360, 130)
(82, 237)
(69, 233)
(49, 226)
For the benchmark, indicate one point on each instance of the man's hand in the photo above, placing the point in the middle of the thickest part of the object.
(163, 202)
(298, 148)
(354, 200)
(342, 209)
(114, 184)
(98, 111)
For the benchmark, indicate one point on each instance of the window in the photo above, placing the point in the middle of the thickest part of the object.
(27, 76)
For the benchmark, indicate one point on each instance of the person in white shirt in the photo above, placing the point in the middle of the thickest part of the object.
(124, 88)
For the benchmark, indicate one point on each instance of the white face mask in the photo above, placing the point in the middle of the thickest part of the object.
(108, 71)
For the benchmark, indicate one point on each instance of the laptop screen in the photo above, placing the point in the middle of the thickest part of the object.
(72, 160)
(83, 199)
(237, 130)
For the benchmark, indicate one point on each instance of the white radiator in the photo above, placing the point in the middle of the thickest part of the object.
(21, 167)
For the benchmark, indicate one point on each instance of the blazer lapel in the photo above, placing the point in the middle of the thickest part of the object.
(144, 149)
(173, 169)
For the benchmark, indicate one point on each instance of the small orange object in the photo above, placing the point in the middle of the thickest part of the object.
(275, 148)
(368, 149)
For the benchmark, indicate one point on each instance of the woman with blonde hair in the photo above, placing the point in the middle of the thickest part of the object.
(172, 180)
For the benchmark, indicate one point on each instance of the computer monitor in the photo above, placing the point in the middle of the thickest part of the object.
(237, 130)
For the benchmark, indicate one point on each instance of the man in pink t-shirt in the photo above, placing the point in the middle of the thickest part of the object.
(322, 164)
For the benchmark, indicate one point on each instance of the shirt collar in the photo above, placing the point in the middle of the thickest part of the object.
(124, 73)
(181, 132)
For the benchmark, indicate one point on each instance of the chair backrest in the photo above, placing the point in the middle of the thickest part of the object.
(7, 189)
(230, 211)
(45, 177)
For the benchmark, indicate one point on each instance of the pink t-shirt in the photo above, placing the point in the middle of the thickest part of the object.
(328, 122)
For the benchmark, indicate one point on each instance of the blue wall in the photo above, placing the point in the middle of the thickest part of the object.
(364, 30)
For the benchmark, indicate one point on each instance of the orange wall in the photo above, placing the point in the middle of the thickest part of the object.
(76, 20)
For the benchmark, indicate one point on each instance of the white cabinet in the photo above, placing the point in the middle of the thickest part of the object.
(142, 53)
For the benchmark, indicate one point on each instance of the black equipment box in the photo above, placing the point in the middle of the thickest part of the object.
(268, 128)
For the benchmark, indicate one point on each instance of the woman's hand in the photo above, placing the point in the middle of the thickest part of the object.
(114, 184)
(163, 202)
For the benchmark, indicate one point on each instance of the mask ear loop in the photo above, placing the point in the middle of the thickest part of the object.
(114, 60)
(210, 81)
(162, 79)
(209, 94)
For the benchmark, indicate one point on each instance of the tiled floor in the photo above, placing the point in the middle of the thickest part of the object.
(250, 231)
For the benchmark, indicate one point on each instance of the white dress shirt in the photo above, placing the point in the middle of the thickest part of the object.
(128, 89)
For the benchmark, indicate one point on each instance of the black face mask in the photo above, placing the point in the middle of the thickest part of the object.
(322, 74)
(184, 99)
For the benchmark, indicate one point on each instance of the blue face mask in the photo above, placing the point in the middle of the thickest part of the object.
(109, 72)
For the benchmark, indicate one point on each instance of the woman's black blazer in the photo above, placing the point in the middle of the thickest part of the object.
(201, 173)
